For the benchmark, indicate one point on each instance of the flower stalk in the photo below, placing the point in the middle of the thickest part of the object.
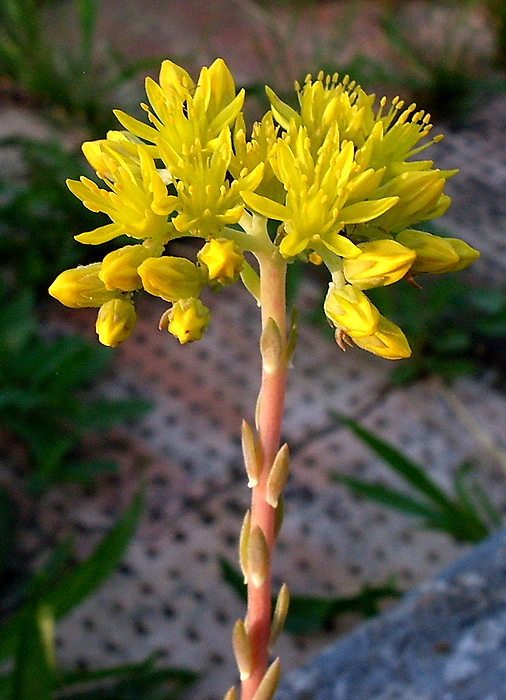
(271, 399)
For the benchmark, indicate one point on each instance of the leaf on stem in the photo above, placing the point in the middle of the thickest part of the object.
(278, 475)
(258, 556)
(269, 683)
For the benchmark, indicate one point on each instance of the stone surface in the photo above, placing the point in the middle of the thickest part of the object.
(445, 641)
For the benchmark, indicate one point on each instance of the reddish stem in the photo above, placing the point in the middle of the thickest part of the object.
(269, 419)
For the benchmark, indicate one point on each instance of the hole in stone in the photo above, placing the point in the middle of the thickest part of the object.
(88, 623)
(140, 628)
(155, 514)
(125, 569)
(221, 617)
(192, 635)
(179, 536)
(168, 611)
(173, 574)
(355, 570)
(216, 659)
(159, 480)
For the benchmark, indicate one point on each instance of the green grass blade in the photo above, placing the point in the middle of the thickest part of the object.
(309, 614)
(87, 15)
(85, 578)
(387, 497)
(407, 469)
(34, 673)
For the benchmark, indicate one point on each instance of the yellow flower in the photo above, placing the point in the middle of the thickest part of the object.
(182, 112)
(323, 194)
(384, 143)
(351, 311)
(207, 200)
(436, 254)
(115, 321)
(81, 287)
(380, 263)
(247, 155)
(171, 278)
(188, 320)
(222, 259)
(387, 341)
(138, 203)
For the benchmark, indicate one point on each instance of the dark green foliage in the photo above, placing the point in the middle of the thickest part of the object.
(451, 327)
(308, 614)
(39, 216)
(127, 682)
(443, 81)
(68, 82)
(467, 515)
(41, 399)
(52, 592)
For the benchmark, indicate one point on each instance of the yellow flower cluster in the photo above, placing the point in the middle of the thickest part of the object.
(339, 174)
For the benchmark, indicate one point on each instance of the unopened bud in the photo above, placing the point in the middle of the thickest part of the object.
(277, 476)
(115, 321)
(280, 613)
(388, 341)
(269, 683)
(466, 254)
(242, 650)
(171, 278)
(258, 557)
(380, 263)
(223, 260)
(188, 320)
(433, 253)
(81, 287)
(349, 309)
(271, 347)
(119, 267)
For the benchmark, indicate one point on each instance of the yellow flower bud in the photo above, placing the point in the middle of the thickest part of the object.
(223, 260)
(115, 321)
(188, 320)
(171, 278)
(349, 309)
(466, 254)
(80, 287)
(380, 263)
(119, 267)
(388, 341)
(433, 253)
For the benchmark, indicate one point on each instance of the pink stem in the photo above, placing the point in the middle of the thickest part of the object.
(269, 419)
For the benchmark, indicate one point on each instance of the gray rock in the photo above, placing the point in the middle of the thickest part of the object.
(445, 641)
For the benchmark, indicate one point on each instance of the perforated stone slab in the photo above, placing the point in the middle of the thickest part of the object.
(445, 641)
(168, 595)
